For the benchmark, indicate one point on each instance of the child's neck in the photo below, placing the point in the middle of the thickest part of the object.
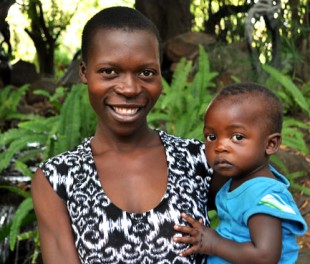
(262, 171)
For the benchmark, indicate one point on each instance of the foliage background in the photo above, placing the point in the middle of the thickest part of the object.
(28, 138)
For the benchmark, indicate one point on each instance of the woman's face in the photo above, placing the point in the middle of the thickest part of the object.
(123, 77)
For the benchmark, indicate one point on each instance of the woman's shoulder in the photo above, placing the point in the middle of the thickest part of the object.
(172, 139)
(188, 150)
(69, 157)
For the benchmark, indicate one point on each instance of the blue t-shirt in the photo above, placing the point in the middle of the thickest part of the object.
(264, 196)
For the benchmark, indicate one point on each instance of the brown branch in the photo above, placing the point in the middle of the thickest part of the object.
(224, 11)
(46, 32)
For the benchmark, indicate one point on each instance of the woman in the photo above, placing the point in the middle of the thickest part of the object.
(116, 197)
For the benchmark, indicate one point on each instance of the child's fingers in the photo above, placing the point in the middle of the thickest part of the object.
(186, 229)
(191, 220)
(186, 239)
(187, 252)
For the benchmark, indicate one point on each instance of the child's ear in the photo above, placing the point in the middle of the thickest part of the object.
(83, 72)
(273, 143)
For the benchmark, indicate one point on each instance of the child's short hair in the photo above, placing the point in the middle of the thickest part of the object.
(270, 102)
(118, 17)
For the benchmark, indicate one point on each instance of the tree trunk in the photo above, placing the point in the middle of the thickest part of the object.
(4, 8)
(45, 55)
(42, 39)
(172, 17)
(4, 26)
(223, 12)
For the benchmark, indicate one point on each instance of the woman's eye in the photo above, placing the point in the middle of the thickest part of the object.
(237, 137)
(108, 71)
(146, 73)
(210, 137)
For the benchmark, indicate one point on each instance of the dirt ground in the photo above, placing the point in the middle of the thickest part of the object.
(296, 162)
(303, 202)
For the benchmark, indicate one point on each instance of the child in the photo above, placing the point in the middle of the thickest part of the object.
(259, 220)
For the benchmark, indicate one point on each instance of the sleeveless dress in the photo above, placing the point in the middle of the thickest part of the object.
(104, 233)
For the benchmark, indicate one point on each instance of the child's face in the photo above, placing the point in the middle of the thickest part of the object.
(123, 76)
(235, 142)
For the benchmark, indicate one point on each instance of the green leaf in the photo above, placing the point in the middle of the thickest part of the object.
(290, 122)
(10, 98)
(27, 235)
(293, 138)
(18, 145)
(5, 231)
(40, 124)
(301, 188)
(290, 87)
(23, 168)
(22, 211)
(16, 190)
(214, 219)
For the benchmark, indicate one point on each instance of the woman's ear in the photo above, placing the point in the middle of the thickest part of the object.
(83, 72)
(273, 143)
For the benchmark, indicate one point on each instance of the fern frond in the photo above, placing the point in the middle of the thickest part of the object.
(9, 136)
(68, 133)
(23, 168)
(40, 124)
(300, 188)
(5, 231)
(293, 138)
(181, 74)
(203, 78)
(155, 117)
(27, 235)
(290, 122)
(290, 87)
(18, 145)
(275, 160)
(22, 211)
(88, 115)
(16, 190)
(10, 99)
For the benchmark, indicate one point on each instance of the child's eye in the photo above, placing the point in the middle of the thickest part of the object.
(237, 137)
(210, 137)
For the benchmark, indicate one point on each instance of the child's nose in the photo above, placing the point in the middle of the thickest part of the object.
(221, 146)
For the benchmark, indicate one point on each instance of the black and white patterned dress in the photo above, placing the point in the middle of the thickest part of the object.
(104, 233)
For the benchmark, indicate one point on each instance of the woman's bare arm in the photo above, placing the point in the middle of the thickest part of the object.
(265, 245)
(56, 238)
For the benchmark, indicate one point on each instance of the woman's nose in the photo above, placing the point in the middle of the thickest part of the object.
(128, 86)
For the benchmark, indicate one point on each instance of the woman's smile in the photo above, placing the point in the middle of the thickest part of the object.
(125, 114)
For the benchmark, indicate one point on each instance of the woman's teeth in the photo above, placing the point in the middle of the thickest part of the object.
(125, 111)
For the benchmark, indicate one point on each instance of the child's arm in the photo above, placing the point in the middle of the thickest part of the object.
(265, 245)
(216, 184)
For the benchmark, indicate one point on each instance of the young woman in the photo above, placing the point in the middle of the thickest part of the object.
(116, 197)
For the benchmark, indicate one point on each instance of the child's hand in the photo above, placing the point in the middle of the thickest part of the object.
(203, 239)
